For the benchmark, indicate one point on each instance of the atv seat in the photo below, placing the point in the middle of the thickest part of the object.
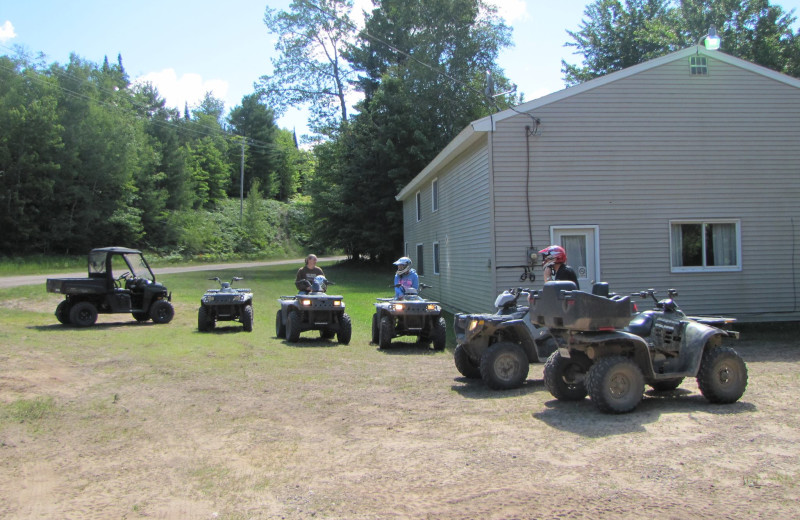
(600, 289)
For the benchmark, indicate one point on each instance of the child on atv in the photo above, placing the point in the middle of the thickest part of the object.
(405, 278)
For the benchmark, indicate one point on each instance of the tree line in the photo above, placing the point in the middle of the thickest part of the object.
(87, 158)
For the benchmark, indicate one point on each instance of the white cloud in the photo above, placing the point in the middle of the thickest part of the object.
(7, 32)
(189, 88)
(511, 10)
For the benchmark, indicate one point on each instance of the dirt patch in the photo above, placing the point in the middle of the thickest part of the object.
(358, 433)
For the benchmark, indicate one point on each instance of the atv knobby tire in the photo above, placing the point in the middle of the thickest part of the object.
(666, 385)
(722, 377)
(375, 331)
(385, 332)
(247, 318)
(615, 384)
(504, 366)
(345, 329)
(565, 377)
(204, 321)
(465, 365)
(439, 334)
(280, 327)
(293, 321)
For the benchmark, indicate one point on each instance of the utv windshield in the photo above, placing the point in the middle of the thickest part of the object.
(139, 268)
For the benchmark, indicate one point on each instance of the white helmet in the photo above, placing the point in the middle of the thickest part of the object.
(403, 265)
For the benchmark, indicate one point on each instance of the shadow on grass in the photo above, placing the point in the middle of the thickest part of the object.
(101, 326)
(406, 348)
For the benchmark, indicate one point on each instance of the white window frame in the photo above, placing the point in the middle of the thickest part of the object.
(435, 195)
(418, 199)
(704, 268)
(436, 258)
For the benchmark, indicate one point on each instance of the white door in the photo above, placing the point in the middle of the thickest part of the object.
(581, 244)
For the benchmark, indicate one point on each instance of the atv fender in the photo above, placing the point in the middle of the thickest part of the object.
(613, 343)
(517, 331)
(696, 337)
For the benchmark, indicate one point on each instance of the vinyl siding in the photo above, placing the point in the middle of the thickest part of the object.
(633, 154)
(462, 228)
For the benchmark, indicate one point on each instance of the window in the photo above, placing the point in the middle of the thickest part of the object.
(698, 65)
(435, 195)
(420, 260)
(419, 207)
(436, 258)
(705, 246)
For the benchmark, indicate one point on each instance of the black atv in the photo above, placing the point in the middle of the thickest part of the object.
(499, 347)
(313, 310)
(225, 304)
(135, 291)
(410, 315)
(659, 347)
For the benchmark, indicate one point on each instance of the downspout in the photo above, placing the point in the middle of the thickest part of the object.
(492, 263)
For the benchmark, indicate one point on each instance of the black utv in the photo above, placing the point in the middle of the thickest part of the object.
(120, 281)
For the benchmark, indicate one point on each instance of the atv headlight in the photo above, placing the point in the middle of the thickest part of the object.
(210, 299)
(474, 324)
(398, 306)
(238, 298)
(432, 307)
(306, 302)
(337, 303)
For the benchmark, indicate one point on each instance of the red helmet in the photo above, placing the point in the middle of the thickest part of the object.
(553, 255)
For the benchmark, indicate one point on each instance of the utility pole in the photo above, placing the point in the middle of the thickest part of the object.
(241, 184)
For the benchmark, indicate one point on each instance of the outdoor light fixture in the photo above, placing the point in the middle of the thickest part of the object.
(712, 41)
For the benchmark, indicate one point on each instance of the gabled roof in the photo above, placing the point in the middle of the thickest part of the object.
(478, 128)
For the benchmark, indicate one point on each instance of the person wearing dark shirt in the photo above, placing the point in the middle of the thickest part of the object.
(554, 265)
(307, 273)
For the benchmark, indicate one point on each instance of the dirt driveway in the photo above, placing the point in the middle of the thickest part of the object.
(352, 432)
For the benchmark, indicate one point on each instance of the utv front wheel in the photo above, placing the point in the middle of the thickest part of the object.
(723, 375)
(161, 312)
(615, 384)
(565, 377)
(62, 312)
(247, 318)
(468, 368)
(345, 329)
(83, 314)
(504, 366)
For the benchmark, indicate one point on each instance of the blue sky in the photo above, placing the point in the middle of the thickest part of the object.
(187, 48)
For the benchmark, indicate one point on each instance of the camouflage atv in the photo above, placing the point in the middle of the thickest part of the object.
(313, 310)
(658, 348)
(499, 347)
(411, 315)
(225, 304)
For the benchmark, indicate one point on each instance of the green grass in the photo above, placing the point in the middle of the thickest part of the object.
(171, 347)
